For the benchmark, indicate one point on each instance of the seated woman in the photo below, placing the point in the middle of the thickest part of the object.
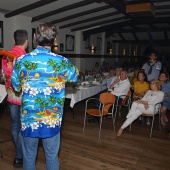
(145, 105)
(141, 86)
(164, 80)
(133, 78)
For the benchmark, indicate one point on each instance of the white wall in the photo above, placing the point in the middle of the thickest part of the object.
(12, 24)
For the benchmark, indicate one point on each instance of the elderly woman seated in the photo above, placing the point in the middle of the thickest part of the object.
(145, 105)
(164, 80)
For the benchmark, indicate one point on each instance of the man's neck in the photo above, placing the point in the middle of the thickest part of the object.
(48, 47)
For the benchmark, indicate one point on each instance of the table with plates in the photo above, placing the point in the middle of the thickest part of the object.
(82, 92)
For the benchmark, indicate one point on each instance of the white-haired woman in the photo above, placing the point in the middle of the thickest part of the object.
(145, 105)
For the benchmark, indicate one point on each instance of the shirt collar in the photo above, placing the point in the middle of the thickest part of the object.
(42, 50)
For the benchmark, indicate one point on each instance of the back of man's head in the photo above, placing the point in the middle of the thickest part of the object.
(20, 36)
(45, 34)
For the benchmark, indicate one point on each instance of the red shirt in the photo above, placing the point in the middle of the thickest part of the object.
(7, 68)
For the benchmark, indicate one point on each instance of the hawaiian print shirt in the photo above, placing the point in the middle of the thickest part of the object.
(7, 68)
(42, 75)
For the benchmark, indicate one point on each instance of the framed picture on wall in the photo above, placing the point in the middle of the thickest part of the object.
(1, 35)
(34, 44)
(99, 43)
(61, 47)
(69, 43)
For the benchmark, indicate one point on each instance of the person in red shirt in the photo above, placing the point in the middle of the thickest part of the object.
(14, 98)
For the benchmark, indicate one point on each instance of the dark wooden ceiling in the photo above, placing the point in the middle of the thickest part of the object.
(96, 16)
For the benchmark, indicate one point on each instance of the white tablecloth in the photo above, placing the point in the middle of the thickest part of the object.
(82, 94)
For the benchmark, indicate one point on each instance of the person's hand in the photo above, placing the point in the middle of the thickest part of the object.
(146, 106)
(138, 101)
(117, 80)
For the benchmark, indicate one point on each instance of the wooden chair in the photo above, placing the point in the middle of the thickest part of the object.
(157, 109)
(106, 101)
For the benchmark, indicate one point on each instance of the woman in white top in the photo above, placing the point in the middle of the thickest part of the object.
(145, 105)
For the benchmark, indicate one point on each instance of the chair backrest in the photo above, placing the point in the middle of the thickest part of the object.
(126, 98)
(107, 97)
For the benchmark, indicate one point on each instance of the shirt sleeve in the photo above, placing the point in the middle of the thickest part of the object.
(158, 65)
(119, 88)
(72, 73)
(156, 99)
(15, 78)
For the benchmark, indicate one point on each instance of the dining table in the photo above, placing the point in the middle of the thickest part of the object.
(82, 92)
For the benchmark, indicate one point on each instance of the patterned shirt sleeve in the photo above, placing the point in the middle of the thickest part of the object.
(15, 78)
(72, 73)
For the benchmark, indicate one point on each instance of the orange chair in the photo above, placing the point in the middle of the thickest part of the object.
(106, 101)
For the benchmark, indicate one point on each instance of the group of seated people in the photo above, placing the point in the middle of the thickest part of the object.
(144, 94)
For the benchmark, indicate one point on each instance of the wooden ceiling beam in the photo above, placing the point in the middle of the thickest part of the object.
(98, 23)
(121, 36)
(63, 9)
(89, 19)
(166, 35)
(81, 14)
(146, 42)
(139, 21)
(137, 30)
(29, 7)
(134, 35)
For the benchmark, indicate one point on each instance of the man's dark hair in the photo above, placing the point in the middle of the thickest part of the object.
(45, 34)
(20, 36)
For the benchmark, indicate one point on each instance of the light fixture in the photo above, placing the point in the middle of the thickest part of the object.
(93, 49)
(55, 46)
(110, 52)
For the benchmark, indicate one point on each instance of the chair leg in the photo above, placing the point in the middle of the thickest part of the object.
(119, 111)
(160, 126)
(152, 126)
(114, 119)
(84, 122)
(100, 126)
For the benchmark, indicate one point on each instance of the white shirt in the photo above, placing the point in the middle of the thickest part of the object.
(121, 88)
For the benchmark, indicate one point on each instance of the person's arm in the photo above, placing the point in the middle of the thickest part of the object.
(113, 83)
(72, 73)
(15, 78)
(157, 99)
(119, 88)
(158, 65)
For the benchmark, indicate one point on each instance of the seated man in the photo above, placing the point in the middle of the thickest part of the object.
(120, 86)
(108, 79)
(115, 78)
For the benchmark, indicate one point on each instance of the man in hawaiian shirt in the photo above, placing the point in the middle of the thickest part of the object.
(42, 75)
(14, 98)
